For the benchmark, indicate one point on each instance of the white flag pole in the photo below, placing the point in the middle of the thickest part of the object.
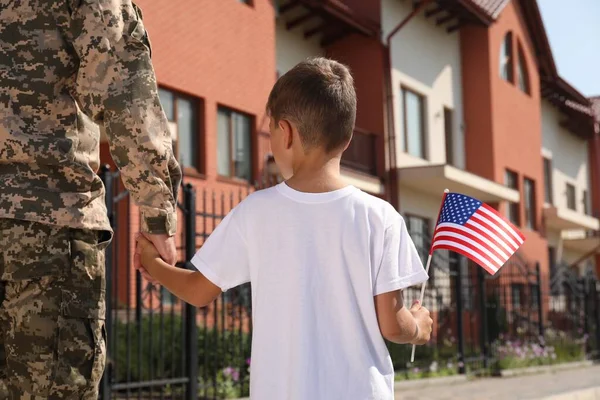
(412, 354)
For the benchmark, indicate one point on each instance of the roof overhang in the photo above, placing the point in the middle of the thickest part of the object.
(434, 179)
(332, 19)
(454, 13)
(561, 218)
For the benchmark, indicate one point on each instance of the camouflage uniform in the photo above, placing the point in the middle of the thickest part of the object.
(70, 69)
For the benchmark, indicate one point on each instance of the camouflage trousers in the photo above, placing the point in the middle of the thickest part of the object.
(52, 289)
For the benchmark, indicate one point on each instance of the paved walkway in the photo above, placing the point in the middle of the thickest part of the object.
(523, 387)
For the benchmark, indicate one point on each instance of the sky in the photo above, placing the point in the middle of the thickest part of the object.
(573, 29)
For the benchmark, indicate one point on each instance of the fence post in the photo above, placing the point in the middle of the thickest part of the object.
(459, 317)
(107, 177)
(540, 301)
(190, 311)
(484, 318)
(588, 294)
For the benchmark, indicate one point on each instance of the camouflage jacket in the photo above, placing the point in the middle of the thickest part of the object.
(70, 69)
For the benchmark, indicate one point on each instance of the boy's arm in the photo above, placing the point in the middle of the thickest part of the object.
(400, 325)
(190, 286)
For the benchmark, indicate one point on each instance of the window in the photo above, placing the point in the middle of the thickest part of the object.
(516, 291)
(234, 153)
(506, 58)
(182, 113)
(548, 181)
(529, 189)
(418, 228)
(586, 204)
(448, 135)
(522, 76)
(535, 300)
(414, 123)
(571, 197)
(512, 209)
(552, 261)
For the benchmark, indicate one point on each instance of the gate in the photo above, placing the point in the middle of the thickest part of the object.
(512, 312)
(151, 346)
(574, 310)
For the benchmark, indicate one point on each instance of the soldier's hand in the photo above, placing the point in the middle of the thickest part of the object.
(165, 245)
(144, 251)
(424, 322)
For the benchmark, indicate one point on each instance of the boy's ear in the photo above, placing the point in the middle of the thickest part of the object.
(288, 131)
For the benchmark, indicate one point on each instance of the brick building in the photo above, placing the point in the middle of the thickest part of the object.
(462, 95)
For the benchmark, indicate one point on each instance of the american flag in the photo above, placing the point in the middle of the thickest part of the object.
(475, 230)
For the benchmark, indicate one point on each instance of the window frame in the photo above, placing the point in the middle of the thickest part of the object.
(231, 159)
(548, 180)
(530, 214)
(426, 222)
(449, 134)
(423, 134)
(571, 200)
(522, 80)
(507, 60)
(197, 166)
(512, 207)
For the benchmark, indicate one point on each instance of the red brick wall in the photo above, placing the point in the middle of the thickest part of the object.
(353, 50)
(477, 100)
(221, 52)
(594, 157)
(503, 124)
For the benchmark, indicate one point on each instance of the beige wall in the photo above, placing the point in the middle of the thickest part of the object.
(426, 59)
(291, 47)
(569, 155)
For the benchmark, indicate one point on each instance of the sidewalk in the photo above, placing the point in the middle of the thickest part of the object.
(561, 385)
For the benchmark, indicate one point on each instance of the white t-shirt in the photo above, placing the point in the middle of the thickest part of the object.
(315, 261)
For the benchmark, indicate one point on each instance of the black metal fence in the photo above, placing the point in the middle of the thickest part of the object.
(159, 347)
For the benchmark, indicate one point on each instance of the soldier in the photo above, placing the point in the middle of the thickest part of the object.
(69, 68)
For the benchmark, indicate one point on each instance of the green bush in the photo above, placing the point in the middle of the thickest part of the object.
(163, 353)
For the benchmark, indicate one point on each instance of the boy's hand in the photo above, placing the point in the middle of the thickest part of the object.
(424, 323)
(145, 255)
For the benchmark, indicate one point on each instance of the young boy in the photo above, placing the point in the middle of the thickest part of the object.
(327, 262)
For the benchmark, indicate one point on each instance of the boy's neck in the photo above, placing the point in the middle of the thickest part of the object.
(317, 177)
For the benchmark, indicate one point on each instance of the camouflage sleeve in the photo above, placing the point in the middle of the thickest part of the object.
(116, 87)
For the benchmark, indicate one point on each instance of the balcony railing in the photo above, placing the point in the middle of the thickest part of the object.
(361, 155)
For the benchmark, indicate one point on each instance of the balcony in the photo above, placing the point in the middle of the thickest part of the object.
(359, 162)
(361, 155)
(433, 179)
(581, 241)
(562, 218)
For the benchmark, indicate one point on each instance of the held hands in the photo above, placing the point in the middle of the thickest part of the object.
(148, 250)
(424, 323)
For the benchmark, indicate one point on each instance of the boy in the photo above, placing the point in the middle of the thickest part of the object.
(327, 262)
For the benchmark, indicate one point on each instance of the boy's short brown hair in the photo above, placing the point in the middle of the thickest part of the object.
(318, 96)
